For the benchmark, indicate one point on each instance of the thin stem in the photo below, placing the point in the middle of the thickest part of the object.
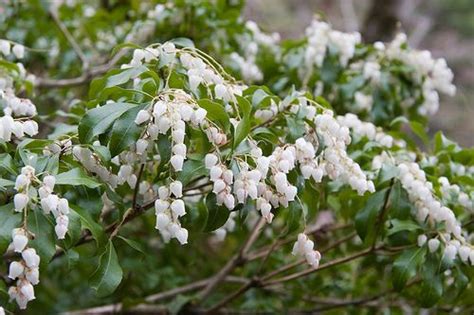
(321, 267)
(235, 261)
(70, 39)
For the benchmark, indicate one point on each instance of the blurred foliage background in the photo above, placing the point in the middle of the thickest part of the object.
(445, 27)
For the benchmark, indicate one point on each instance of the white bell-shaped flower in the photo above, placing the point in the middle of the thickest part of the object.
(20, 201)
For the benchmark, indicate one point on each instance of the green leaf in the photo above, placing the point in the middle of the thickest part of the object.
(125, 76)
(400, 205)
(6, 163)
(90, 224)
(243, 128)
(419, 130)
(76, 177)
(405, 266)
(399, 225)
(216, 113)
(133, 244)
(125, 131)
(98, 120)
(431, 286)
(296, 128)
(108, 274)
(366, 218)
(45, 237)
(387, 172)
(4, 183)
(9, 220)
(216, 215)
(192, 169)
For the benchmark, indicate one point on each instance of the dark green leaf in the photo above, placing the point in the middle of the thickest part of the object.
(216, 113)
(192, 169)
(44, 236)
(406, 265)
(125, 131)
(216, 215)
(366, 218)
(76, 177)
(108, 274)
(9, 220)
(98, 120)
(90, 224)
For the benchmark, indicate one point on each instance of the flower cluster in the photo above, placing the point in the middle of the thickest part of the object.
(171, 113)
(419, 190)
(453, 194)
(368, 130)
(92, 163)
(50, 202)
(17, 50)
(168, 209)
(222, 179)
(26, 270)
(21, 108)
(338, 165)
(321, 36)
(433, 74)
(305, 247)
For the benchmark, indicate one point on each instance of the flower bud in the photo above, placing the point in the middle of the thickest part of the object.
(20, 201)
(182, 236)
(162, 221)
(27, 290)
(161, 205)
(421, 240)
(63, 206)
(30, 127)
(177, 162)
(433, 245)
(16, 269)
(210, 160)
(61, 231)
(21, 181)
(49, 181)
(179, 149)
(31, 258)
(176, 188)
(215, 173)
(178, 208)
(199, 115)
(141, 146)
(142, 117)
(19, 51)
(32, 275)
(219, 186)
(19, 241)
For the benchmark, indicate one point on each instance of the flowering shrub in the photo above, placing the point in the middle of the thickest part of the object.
(311, 172)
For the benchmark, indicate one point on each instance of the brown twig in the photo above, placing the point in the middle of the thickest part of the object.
(332, 263)
(235, 261)
(85, 77)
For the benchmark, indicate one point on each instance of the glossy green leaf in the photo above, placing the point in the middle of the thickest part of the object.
(98, 120)
(366, 218)
(9, 221)
(76, 177)
(216, 215)
(108, 274)
(125, 131)
(406, 265)
(215, 112)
